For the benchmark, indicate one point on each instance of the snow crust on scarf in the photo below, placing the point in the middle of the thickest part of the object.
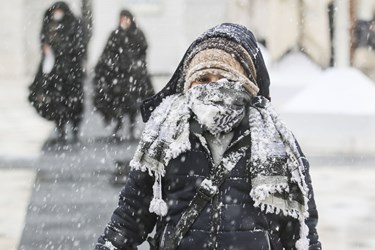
(230, 160)
(271, 140)
(109, 245)
(214, 105)
(165, 136)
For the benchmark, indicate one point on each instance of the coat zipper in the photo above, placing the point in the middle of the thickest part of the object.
(268, 240)
(162, 241)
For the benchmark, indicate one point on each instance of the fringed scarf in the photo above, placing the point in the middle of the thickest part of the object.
(165, 136)
(276, 168)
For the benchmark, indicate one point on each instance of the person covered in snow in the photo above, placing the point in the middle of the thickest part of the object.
(216, 168)
(121, 77)
(57, 89)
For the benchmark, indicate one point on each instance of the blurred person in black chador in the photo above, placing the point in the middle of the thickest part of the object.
(215, 167)
(364, 54)
(57, 90)
(121, 78)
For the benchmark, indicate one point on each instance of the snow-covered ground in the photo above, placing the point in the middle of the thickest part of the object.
(346, 201)
(22, 131)
(13, 204)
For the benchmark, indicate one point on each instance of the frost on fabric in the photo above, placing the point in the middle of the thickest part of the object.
(232, 159)
(232, 32)
(208, 185)
(109, 245)
(203, 141)
(214, 105)
(166, 135)
(261, 192)
(276, 163)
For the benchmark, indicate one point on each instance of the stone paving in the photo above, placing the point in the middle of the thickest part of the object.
(16, 186)
(346, 203)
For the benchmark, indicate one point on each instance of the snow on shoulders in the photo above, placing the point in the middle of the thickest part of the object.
(336, 91)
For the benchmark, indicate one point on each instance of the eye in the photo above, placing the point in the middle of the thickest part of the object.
(206, 78)
(203, 79)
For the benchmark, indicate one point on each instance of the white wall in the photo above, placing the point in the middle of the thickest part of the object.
(278, 22)
(11, 39)
(169, 25)
(366, 9)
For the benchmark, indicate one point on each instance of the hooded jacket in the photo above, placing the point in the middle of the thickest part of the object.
(121, 77)
(233, 32)
(230, 220)
(62, 89)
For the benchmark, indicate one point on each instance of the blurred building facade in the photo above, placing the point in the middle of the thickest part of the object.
(170, 26)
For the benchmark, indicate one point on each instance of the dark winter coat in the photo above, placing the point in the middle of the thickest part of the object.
(59, 94)
(230, 221)
(121, 78)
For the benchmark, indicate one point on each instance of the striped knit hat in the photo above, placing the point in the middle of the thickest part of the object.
(221, 56)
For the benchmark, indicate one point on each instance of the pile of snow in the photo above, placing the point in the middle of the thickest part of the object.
(295, 69)
(336, 91)
(289, 76)
(335, 114)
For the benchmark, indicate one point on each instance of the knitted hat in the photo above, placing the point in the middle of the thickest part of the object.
(229, 37)
(221, 54)
(218, 62)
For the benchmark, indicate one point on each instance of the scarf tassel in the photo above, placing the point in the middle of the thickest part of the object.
(158, 205)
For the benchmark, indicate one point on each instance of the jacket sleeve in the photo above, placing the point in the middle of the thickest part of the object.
(131, 221)
(290, 232)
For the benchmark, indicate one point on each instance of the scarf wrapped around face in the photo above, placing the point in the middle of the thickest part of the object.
(275, 165)
(218, 106)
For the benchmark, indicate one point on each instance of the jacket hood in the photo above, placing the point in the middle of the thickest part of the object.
(58, 5)
(127, 13)
(230, 31)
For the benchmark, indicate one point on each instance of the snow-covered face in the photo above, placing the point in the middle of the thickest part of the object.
(58, 15)
(218, 106)
(125, 22)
